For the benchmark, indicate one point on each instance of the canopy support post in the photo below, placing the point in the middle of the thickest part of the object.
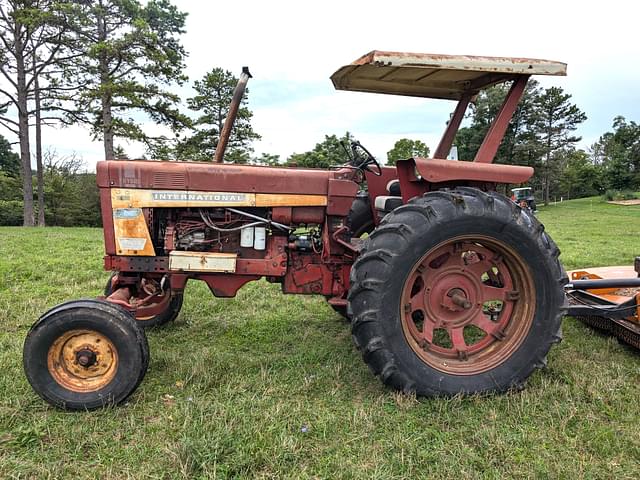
(452, 127)
(498, 128)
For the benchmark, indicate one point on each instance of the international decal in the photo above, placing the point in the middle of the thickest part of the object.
(168, 196)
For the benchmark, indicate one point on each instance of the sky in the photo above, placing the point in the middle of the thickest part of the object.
(293, 47)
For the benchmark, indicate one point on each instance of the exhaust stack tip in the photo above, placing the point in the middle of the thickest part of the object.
(238, 92)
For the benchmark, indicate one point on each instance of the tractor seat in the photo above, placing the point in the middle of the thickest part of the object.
(385, 204)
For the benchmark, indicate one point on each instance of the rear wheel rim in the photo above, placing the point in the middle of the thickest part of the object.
(82, 360)
(467, 305)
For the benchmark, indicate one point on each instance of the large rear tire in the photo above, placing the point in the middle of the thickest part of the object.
(457, 292)
(85, 354)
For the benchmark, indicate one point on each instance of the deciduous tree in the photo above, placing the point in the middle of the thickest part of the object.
(619, 154)
(9, 160)
(10, 191)
(580, 177)
(325, 154)
(406, 148)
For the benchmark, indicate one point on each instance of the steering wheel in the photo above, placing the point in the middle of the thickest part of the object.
(362, 158)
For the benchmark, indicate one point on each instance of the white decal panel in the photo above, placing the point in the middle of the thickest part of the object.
(129, 243)
(202, 262)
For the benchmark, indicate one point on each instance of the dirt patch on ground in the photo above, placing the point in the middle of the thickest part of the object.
(635, 201)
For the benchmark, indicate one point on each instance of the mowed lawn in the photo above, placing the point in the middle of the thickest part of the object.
(270, 386)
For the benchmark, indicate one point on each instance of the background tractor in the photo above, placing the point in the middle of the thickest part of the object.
(456, 289)
(523, 196)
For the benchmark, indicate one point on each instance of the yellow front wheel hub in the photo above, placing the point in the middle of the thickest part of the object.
(82, 360)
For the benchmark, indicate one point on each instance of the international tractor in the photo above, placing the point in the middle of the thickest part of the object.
(449, 286)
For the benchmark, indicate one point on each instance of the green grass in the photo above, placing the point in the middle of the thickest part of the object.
(593, 233)
(270, 386)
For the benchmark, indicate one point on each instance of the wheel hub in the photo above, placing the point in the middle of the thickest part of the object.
(86, 358)
(82, 360)
(467, 305)
(459, 298)
(450, 297)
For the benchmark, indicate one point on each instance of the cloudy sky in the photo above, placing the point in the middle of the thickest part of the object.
(292, 48)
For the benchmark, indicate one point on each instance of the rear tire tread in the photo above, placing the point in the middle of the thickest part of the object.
(368, 279)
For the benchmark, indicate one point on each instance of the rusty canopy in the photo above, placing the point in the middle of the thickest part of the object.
(435, 76)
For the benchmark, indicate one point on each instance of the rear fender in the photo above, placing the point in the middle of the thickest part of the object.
(420, 175)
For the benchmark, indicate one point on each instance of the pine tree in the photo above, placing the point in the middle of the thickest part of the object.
(31, 33)
(211, 102)
(131, 55)
(556, 118)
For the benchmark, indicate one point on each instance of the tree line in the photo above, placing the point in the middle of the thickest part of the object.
(71, 196)
(111, 65)
(541, 134)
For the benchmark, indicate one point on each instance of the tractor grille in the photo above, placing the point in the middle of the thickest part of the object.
(169, 180)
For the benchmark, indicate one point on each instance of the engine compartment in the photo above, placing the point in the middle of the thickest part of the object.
(245, 232)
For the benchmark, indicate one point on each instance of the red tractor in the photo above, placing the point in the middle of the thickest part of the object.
(456, 289)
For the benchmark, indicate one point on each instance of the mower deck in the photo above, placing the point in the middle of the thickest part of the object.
(613, 309)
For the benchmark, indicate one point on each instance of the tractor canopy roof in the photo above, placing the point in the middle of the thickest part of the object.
(435, 76)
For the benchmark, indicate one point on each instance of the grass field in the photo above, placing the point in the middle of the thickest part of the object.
(270, 386)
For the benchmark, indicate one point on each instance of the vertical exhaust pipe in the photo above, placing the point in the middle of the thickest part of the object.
(231, 117)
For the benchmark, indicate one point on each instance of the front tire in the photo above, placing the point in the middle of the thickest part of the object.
(85, 354)
(457, 292)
